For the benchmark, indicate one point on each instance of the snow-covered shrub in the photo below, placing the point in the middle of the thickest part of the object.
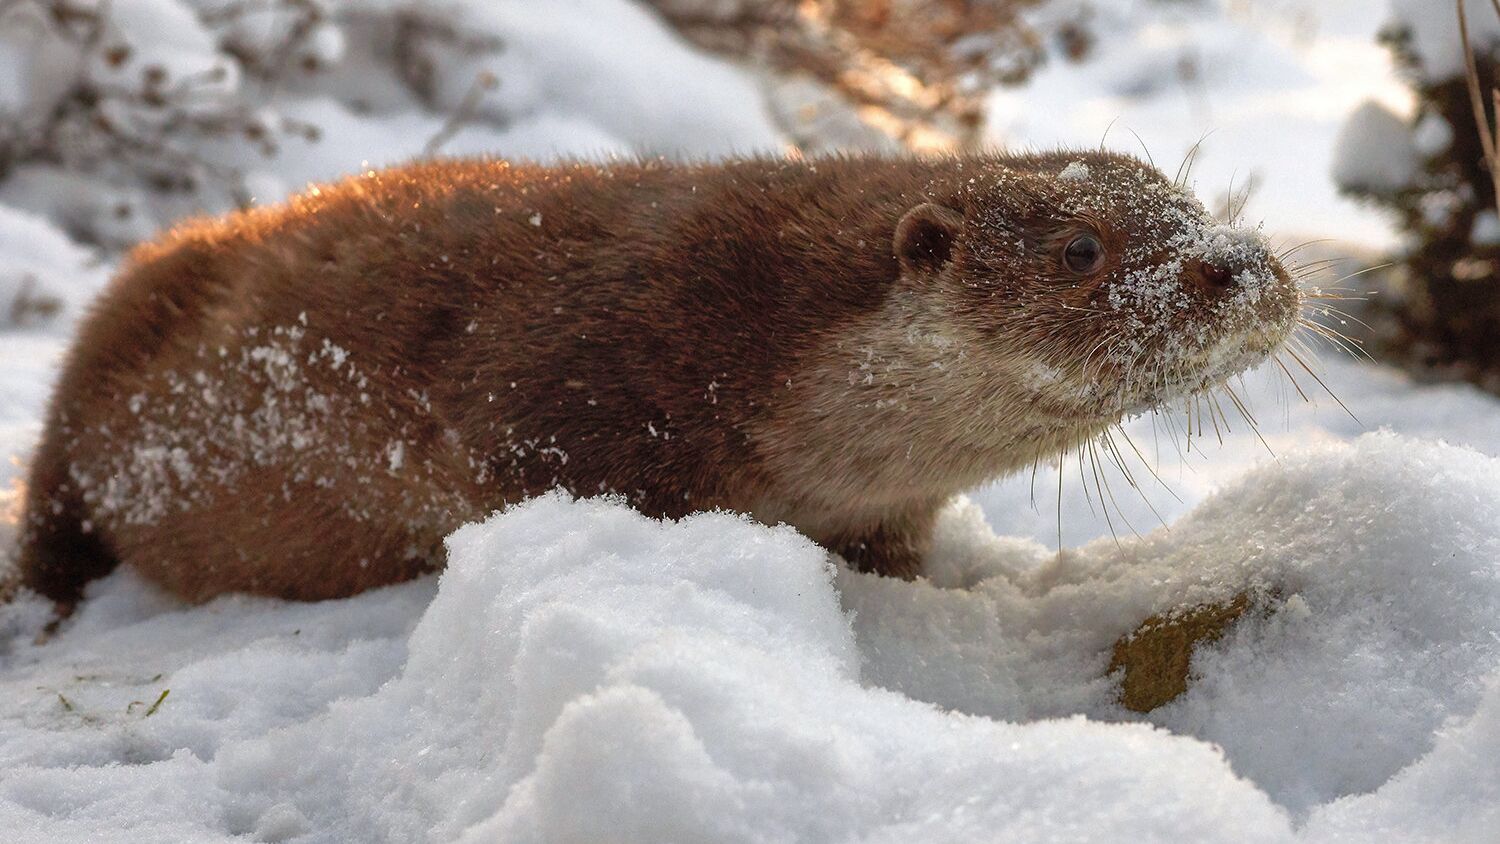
(895, 73)
(41, 267)
(118, 117)
(1429, 170)
(114, 102)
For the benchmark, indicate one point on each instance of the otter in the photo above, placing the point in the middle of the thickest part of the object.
(303, 400)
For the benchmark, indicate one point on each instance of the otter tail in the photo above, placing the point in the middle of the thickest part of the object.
(161, 287)
(58, 554)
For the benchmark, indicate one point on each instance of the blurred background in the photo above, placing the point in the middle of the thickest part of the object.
(1343, 126)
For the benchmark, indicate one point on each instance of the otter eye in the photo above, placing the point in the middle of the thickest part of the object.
(1084, 254)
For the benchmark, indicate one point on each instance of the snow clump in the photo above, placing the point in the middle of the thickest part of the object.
(1374, 151)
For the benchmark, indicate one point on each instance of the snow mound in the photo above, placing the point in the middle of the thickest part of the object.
(585, 673)
(1386, 555)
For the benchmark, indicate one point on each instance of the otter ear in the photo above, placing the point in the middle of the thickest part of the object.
(924, 238)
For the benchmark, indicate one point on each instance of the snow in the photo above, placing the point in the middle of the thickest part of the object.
(1432, 135)
(1435, 36)
(1077, 171)
(572, 646)
(1375, 151)
(567, 80)
(1486, 230)
(1257, 88)
(42, 270)
(580, 672)
(579, 57)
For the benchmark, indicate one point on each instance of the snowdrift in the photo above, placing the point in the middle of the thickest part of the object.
(584, 673)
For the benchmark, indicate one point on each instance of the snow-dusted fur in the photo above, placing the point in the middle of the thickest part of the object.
(302, 401)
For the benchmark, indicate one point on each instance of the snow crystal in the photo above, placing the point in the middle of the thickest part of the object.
(1075, 172)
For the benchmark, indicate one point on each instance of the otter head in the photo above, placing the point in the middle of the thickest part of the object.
(1089, 286)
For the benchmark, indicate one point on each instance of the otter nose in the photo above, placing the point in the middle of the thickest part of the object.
(1212, 278)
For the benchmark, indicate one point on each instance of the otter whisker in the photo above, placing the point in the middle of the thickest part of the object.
(1185, 169)
(1321, 289)
(1338, 313)
(1336, 293)
(1311, 268)
(1144, 462)
(1300, 362)
(1286, 254)
(1345, 346)
(1203, 428)
(1239, 402)
(1088, 359)
(1083, 479)
(1107, 129)
(1155, 439)
(1324, 297)
(1187, 425)
(1034, 461)
(1101, 485)
(1251, 183)
(1144, 148)
(1301, 344)
(1118, 458)
(1213, 403)
(1112, 454)
(1244, 411)
(1348, 345)
(1292, 378)
(1331, 335)
(1176, 432)
(1061, 455)
(1366, 270)
(1283, 396)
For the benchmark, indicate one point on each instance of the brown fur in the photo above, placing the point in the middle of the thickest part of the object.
(303, 400)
